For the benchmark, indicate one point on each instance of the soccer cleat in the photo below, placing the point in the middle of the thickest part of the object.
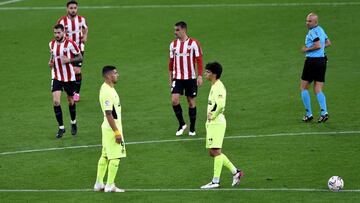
(323, 118)
(99, 186)
(73, 129)
(60, 133)
(237, 177)
(192, 134)
(210, 185)
(112, 188)
(307, 118)
(181, 130)
(76, 97)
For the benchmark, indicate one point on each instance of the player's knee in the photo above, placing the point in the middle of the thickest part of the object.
(317, 90)
(114, 162)
(70, 100)
(304, 87)
(192, 104)
(175, 102)
(56, 102)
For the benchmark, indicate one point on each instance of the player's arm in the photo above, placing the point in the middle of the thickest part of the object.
(51, 61)
(199, 62)
(77, 58)
(84, 31)
(111, 121)
(327, 42)
(218, 106)
(316, 46)
(171, 65)
(77, 54)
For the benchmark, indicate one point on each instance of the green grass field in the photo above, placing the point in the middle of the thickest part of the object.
(259, 46)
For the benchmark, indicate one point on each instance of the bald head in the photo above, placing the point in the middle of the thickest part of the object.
(311, 20)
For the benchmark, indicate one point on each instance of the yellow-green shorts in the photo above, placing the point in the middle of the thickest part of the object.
(110, 148)
(215, 133)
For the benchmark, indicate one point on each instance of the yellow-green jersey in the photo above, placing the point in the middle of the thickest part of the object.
(110, 101)
(216, 103)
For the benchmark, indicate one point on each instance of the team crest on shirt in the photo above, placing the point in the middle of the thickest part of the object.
(107, 103)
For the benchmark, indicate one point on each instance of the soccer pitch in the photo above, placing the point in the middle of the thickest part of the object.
(257, 42)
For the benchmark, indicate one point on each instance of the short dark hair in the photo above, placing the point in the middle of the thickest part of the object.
(107, 69)
(59, 26)
(181, 24)
(214, 67)
(71, 2)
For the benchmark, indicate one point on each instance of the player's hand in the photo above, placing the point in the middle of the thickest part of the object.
(209, 116)
(170, 82)
(199, 81)
(84, 38)
(304, 49)
(65, 59)
(118, 139)
(51, 63)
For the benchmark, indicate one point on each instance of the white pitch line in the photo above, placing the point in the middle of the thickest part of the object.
(182, 140)
(185, 190)
(9, 2)
(244, 5)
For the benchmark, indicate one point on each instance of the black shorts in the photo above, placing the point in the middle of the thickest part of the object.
(190, 87)
(314, 69)
(79, 64)
(69, 87)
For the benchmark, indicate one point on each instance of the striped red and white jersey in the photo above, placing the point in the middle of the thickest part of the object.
(60, 71)
(73, 28)
(183, 56)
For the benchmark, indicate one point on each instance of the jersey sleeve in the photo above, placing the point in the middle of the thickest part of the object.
(220, 99)
(171, 53)
(314, 36)
(106, 100)
(60, 21)
(171, 57)
(197, 49)
(84, 24)
(74, 48)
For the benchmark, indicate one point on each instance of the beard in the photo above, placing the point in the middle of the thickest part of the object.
(59, 39)
(72, 14)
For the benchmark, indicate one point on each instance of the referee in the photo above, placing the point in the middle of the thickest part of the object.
(315, 67)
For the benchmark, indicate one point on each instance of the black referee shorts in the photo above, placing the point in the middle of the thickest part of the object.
(190, 87)
(314, 69)
(69, 87)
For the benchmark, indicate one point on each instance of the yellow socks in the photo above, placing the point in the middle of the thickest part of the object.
(219, 161)
(112, 170)
(228, 164)
(102, 165)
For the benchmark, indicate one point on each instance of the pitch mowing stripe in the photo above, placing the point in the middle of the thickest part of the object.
(244, 5)
(9, 2)
(182, 140)
(187, 190)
